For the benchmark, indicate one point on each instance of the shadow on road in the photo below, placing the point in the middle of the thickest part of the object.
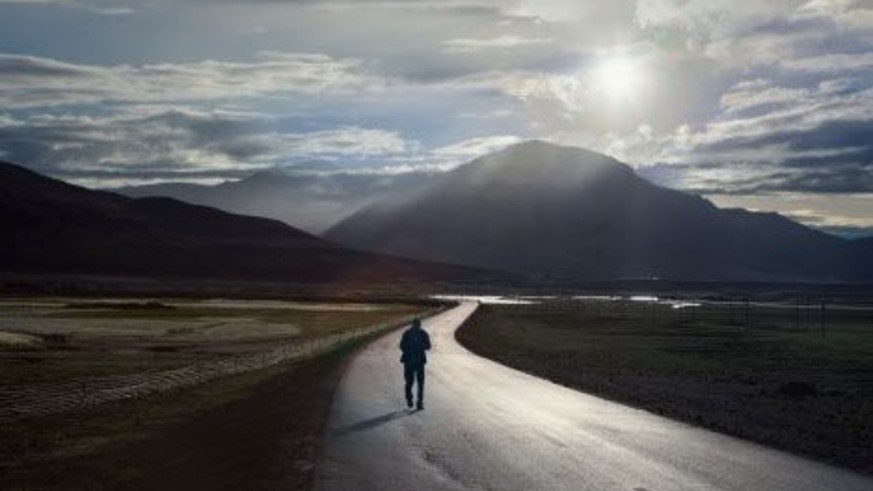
(371, 423)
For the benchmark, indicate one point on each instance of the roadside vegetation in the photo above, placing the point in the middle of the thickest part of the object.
(796, 377)
(61, 340)
(253, 430)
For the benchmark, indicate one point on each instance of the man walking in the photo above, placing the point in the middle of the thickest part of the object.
(414, 343)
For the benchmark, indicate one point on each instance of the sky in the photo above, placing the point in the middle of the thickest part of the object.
(765, 105)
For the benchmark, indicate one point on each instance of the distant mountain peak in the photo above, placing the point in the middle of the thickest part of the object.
(543, 153)
(276, 175)
(531, 144)
(565, 212)
(51, 227)
(551, 150)
(545, 165)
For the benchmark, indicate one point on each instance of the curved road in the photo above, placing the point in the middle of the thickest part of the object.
(489, 427)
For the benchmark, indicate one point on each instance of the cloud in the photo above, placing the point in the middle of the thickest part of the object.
(174, 144)
(101, 7)
(804, 137)
(818, 8)
(475, 147)
(810, 138)
(467, 45)
(708, 19)
(30, 81)
(758, 93)
(839, 62)
(115, 10)
(350, 141)
(813, 218)
(849, 226)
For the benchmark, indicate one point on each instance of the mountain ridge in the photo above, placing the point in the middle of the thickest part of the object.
(54, 227)
(298, 196)
(556, 211)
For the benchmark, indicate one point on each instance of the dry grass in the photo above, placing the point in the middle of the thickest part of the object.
(255, 430)
(771, 377)
(73, 339)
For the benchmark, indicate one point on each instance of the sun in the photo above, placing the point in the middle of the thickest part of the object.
(618, 78)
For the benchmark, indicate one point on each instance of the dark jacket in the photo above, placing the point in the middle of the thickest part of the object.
(414, 343)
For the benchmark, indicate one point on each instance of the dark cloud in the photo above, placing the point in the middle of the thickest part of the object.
(798, 139)
(28, 81)
(174, 144)
(829, 135)
(762, 178)
(12, 67)
(832, 135)
(846, 157)
(856, 178)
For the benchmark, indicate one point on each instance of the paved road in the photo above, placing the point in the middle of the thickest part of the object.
(490, 427)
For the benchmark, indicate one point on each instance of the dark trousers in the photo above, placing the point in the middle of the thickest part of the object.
(414, 372)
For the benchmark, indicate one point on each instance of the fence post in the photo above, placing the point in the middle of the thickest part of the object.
(823, 312)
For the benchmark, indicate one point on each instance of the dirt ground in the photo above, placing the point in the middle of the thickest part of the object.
(266, 438)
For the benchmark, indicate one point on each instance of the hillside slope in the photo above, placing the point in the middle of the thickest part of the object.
(53, 227)
(563, 212)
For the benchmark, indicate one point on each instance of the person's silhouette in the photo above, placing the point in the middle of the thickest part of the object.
(413, 344)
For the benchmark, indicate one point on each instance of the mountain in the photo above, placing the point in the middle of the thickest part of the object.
(864, 252)
(865, 242)
(53, 227)
(312, 196)
(562, 212)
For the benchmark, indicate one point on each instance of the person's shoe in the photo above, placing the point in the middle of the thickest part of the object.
(409, 403)
(420, 406)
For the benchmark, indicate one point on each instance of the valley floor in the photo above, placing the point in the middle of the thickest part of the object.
(256, 427)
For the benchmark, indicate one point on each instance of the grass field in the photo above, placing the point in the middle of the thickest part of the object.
(798, 378)
(244, 431)
(58, 340)
(255, 431)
